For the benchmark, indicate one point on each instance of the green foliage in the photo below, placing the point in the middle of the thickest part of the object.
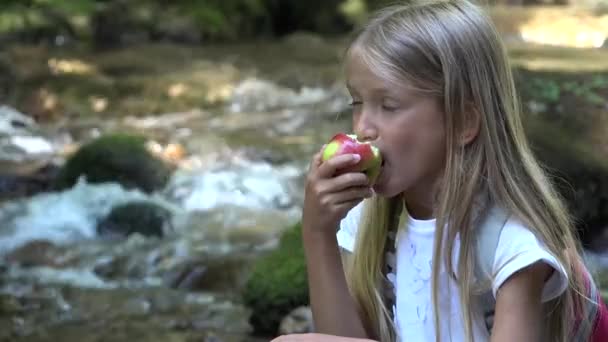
(551, 89)
(278, 284)
(116, 158)
(210, 19)
(545, 90)
(224, 18)
(588, 89)
(26, 14)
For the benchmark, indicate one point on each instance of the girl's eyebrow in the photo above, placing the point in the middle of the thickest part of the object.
(377, 90)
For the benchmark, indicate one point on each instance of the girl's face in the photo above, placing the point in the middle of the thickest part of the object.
(406, 126)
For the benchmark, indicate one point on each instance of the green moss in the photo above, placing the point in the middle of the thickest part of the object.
(278, 284)
(145, 218)
(117, 158)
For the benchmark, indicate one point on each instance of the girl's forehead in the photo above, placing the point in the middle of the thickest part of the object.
(367, 77)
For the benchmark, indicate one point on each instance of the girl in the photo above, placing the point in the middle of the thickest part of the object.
(433, 90)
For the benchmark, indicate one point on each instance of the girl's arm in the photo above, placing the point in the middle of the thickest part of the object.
(334, 309)
(328, 198)
(518, 315)
(317, 338)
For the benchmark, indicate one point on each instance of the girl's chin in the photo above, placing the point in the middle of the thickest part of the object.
(381, 187)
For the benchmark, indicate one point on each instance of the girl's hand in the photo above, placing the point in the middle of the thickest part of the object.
(317, 338)
(328, 197)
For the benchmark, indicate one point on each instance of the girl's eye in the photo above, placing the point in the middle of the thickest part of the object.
(356, 103)
(389, 108)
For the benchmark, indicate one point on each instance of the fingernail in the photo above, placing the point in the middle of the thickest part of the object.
(356, 158)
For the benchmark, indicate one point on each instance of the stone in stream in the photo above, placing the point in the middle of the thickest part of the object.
(141, 217)
(119, 158)
(299, 321)
(23, 150)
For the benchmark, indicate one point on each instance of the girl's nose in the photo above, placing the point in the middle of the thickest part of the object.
(367, 134)
(365, 129)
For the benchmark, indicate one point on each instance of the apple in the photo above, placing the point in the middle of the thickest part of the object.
(371, 159)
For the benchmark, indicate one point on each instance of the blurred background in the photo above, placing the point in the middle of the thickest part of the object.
(152, 154)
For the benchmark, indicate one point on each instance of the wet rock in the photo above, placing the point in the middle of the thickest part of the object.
(13, 122)
(251, 185)
(299, 321)
(278, 284)
(220, 274)
(38, 253)
(137, 307)
(179, 30)
(145, 218)
(311, 47)
(255, 95)
(142, 314)
(9, 305)
(115, 268)
(22, 150)
(16, 186)
(22, 155)
(67, 217)
(119, 158)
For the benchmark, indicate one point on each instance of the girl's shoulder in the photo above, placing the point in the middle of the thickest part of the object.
(517, 248)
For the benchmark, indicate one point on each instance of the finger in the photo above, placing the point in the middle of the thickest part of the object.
(317, 160)
(327, 187)
(344, 207)
(349, 180)
(318, 157)
(352, 194)
(328, 168)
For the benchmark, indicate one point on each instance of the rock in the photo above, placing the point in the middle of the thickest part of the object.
(145, 218)
(38, 253)
(254, 95)
(22, 150)
(119, 158)
(299, 321)
(178, 29)
(310, 47)
(13, 122)
(278, 284)
(16, 185)
(252, 185)
(222, 274)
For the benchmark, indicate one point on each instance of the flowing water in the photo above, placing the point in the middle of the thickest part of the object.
(238, 186)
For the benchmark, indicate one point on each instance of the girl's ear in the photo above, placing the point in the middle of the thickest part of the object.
(472, 124)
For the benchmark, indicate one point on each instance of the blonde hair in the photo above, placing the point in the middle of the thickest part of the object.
(450, 50)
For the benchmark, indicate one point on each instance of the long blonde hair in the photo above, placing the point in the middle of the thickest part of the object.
(451, 50)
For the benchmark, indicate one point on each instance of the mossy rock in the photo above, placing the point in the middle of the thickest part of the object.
(145, 218)
(119, 158)
(278, 284)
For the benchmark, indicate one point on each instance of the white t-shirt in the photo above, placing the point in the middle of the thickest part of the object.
(413, 311)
